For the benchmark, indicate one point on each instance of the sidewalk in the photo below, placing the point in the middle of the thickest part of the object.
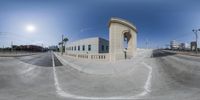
(105, 67)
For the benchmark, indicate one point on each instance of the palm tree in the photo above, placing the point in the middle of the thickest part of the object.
(59, 43)
(65, 40)
(62, 44)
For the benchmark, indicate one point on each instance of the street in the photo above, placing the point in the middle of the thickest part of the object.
(164, 76)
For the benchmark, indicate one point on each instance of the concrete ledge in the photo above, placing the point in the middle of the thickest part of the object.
(120, 67)
(16, 55)
(85, 66)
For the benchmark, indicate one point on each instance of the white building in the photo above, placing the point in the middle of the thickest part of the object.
(120, 31)
(88, 46)
(174, 45)
(184, 46)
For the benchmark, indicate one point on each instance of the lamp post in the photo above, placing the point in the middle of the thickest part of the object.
(196, 35)
(62, 45)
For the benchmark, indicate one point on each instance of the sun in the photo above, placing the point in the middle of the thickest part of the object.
(30, 28)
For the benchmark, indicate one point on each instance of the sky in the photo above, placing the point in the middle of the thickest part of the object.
(157, 21)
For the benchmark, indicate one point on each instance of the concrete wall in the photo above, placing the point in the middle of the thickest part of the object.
(117, 28)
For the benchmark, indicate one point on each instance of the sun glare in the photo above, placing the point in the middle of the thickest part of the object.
(30, 28)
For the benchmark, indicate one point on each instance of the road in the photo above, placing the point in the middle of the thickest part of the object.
(164, 76)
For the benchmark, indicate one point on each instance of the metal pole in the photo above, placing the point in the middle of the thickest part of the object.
(42, 47)
(3, 48)
(11, 46)
(62, 45)
(146, 43)
(196, 35)
(196, 42)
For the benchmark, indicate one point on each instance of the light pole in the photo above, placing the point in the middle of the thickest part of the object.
(147, 43)
(62, 46)
(11, 46)
(196, 35)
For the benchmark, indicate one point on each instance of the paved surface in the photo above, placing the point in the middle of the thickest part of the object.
(163, 76)
(101, 67)
(44, 59)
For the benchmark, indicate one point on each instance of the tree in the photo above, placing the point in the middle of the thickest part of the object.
(62, 44)
(65, 40)
(59, 43)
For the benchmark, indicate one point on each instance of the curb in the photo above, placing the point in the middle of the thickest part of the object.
(16, 55)
(65, 62)
(77, 67)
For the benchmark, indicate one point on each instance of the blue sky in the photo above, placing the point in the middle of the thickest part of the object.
(157, 21)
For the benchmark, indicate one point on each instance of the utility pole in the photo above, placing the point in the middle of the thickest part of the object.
(3, 48)
(146, 42)
(11, 46)
(196, 35)
(42, 47)
(62, 45)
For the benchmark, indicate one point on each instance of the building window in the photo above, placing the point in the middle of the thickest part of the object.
(83, 47)
(74, 48)
(102, 47)
(78, 48)
(89, 47)
(106, 48)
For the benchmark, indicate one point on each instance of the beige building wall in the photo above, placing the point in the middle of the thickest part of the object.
(117, 29)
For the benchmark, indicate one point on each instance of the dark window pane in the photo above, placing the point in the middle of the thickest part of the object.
(102, 47)
(83, 47)
(78, 48)
(89, 47)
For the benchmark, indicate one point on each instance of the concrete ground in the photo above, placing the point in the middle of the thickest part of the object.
(155, 75)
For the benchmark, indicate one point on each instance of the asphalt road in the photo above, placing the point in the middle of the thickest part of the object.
(44, 60)
(164, 76)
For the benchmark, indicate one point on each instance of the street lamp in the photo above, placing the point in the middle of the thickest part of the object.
(196, 35)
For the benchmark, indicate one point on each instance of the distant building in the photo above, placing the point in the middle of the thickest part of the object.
(174, 45)
(193, 46)
(32, 48)
(53, 48)
(184, 46)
